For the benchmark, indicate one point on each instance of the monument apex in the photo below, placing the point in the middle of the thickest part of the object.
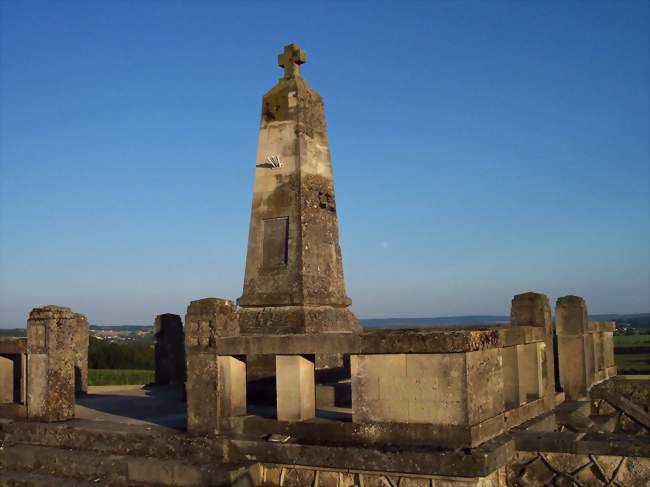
(294, 270)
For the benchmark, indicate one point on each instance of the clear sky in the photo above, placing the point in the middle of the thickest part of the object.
(480, 149)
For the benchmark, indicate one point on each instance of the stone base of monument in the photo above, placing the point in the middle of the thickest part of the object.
(296, 319)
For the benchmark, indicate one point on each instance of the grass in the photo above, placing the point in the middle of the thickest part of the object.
(116, 377)
(630, 361)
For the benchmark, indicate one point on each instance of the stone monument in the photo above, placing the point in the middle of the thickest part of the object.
(294, 270)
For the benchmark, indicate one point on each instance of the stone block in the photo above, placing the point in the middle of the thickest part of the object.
(231, 386)
(460, 389)
(571, 316)
(295, 391)
(531, 309)
(6, 380)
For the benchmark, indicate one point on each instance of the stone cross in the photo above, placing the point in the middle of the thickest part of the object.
(291, 59)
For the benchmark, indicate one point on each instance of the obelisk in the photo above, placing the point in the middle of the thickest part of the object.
(294, 271)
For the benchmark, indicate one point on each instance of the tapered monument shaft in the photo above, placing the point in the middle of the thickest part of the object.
(294, 271)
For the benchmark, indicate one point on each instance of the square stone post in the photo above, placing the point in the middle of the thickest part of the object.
(296, 394)
(575, 347)
(169, 349)
(81, 354)
(206, 320)
(533, 309)
(231, 395)
(51, 361)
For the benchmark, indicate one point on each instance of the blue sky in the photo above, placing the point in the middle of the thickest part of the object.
(480, 149)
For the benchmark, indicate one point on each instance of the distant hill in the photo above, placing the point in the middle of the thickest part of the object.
(441, 321)
(640, 321)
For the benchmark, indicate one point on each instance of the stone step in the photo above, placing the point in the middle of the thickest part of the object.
(111, 438)
(92, 466)
(21, 478)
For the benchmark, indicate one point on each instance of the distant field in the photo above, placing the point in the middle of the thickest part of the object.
(631, 340)
(632, 353)
(115, 377)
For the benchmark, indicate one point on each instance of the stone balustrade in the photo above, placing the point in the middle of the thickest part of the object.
(453, 387)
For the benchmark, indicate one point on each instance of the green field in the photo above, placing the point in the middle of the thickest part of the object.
(632, 341)
(116, 377)
(632, 361)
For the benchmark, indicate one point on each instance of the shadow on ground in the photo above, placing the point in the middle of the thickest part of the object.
(152, 404)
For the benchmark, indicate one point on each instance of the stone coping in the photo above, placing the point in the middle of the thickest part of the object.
(13, 344)
(385, 341)
(121, 439)
(329, 432)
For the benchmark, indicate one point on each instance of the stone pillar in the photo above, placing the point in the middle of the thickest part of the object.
(6, 380)
(81, 354)
(575, 353)
(296, 393)
(206, 320)
(50, 370)
(533, 309)
(530, 373)
(169, 349)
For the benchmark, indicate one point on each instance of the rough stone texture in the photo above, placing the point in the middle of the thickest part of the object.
(81, 354)
(296, 396)
(51, 334)
(450, 389)
(294, 270)
(206, 320)
(551, 468)
(169, 349)
(386, 341)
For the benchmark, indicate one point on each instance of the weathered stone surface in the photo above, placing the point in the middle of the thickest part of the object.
(369, 342)
(51, 336)
(169, 343)
(206, 319)
(294, 259)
